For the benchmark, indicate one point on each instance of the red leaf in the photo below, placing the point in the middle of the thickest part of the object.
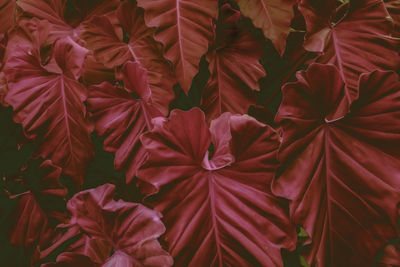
(232, 64)
(49, 100)
(217, 208)
(96, 73)
(53, 11)
(122, 118)
(33, 221)
(106, 42)
(351, 43)
(29, 34)
(272, 17)
(185, 29)
(109, 48)
(7, 13)
(341, 167)
(102, 224)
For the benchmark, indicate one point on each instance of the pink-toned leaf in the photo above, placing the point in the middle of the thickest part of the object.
(273, 17)
(217, 207)
(33, 219)
(340, 167)
(352, 41)
(51, 104)
(107, 43)
(7, 13)
(54, 12)
(185, 29)
(112, 233)
(28, 34)
(233, 65)
(122, 118)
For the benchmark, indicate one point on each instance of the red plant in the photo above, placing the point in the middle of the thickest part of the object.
(199, 133)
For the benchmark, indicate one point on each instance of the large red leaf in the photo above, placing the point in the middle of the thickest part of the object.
(352, 41)
(122, 118)
(112, 233)
(272, 17)
(47, 100)
(341, 170)
(35, 217)
(54, 12)
(108, 46)
(185, 29)
(217, 207)
(233, 65)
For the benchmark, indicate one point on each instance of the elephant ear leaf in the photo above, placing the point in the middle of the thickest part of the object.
(272, 17)
(349, 36)
(40, 207)
(106, 232)
(204, 194)
(234, 67)
(340, 167)
(48, 102)
(121, 115)
(184, 27)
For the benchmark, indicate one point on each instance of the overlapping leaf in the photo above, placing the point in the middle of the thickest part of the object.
(54, 12)
(36, 214)
(48, 101)
(341, 170)
(216, 205)
(109, 48)
(122, 118)
(356, 41)
(234, 68)
(273, 17)
(111, 233)
(185, 29)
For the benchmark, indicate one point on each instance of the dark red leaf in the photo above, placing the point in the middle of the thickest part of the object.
(185, 29)
(54, 10)
(233, 66)
(96, 73)
(351, 42)
(107, 43)
(272, 17)
(112, 233)
(340, 168)
(217, 207)
(122, 118)
(34, 219)
(49, 100)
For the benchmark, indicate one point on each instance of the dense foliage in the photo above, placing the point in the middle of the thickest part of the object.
(199, 133)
